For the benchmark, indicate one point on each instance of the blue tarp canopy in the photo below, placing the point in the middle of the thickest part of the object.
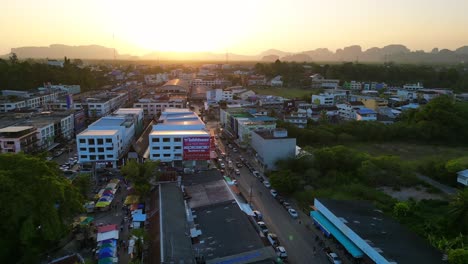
(328, 226)
(139, 217)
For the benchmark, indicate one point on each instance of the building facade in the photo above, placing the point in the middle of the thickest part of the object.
(273, 145)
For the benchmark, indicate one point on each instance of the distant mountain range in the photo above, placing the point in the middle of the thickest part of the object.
(396, 53)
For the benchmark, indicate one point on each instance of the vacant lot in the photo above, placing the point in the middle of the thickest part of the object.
(411, 151)
(284, 92)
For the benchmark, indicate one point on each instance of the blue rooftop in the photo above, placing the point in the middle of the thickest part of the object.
(366, 111)
(330, 228)
(262, 118)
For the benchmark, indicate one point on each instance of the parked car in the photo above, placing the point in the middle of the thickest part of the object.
(281, 252)
(293, 213)
(286, 205)
(239, 165)
(242, 159)
(237, 171)
(267, 184)
(235, 150)
(273, 239)
(256, 173)
(274, 193)
(258, 215)
(263, 227)
(332, 257)
(222, 165)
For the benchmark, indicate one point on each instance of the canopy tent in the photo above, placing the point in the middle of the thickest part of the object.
(139, 217)
(132, 199)
(99, 194)
(107, 243)
(106, 228)
(107, 250)
(107, 254)
(87, 220)
(111, 185)
(131, 245)
(108, 235)
(116, 181)
(137, 211)
(107, 261)
(102, 204)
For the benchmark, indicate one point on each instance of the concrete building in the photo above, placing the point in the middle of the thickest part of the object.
(256, 80)
(413, 87)
(319, 82)
(348, 110)
(366, 114)
(103, 104)
(153, 106)
(106, 140)
(298, 119)
(156, 79)
(373, 103)
(179, 135)
(353, 85)
(175, 86)
(213, 84)
(330, 97)
(68, 89)
(217, 95)
(14, 139)
(369, 236)
(15, 100)
(273, 145)
(276, 81)
(246, 94)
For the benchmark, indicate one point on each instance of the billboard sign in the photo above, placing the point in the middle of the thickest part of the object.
(196, 148)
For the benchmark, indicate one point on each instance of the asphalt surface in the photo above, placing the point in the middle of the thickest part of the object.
(298, 240)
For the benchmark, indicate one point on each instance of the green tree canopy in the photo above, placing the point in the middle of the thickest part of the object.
(141, 175)
(36, 204)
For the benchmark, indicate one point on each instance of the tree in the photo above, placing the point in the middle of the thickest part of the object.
(141, 175)
(401, 209)
(13, 58)
(284, 181)
(37, 202)
(459, 211)
(83, 183)
(458, 256)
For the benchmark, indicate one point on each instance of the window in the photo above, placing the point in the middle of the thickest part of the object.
(109, 148)
(178, 147)
(92, 157)
(155, 140)
(156, 148)
(166, 140)
(110, 156)
(82, 149)
(156, 155)
(167, 155)
(101, 157)
(92, 150)
(167, 147)
(83, 156)
(82, 140)
(108, 140)
(100, 141)
(177, 140)
(100, 149)
(91, 141)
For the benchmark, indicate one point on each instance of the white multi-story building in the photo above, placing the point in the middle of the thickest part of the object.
(273, 145)
(413, 87)
(217, 95)
(107, 139)
(98, 107)
(28, 100)
(14, 139)
(11, 106)
(180, 135)
(155, 79)
(277, 81)
(152, 107)
(329, 98)
(348, 110)
(216, 83)
(69, 89)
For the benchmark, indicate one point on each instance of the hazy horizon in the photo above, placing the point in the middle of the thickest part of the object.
(244, 27)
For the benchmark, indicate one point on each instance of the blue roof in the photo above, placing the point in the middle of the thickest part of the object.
(365, 111)
(348, 244)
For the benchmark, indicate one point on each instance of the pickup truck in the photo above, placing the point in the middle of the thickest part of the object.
(332, 256)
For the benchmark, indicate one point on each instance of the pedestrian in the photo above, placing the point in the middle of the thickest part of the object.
(300, 222)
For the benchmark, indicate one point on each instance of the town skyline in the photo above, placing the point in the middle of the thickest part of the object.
(216, 26)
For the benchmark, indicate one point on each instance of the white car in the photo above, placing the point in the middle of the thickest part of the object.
(333, 257)
(263, 227)
(222, 165)
(237, 172)
(273, 239)
(281, 252)
(267, 184)
(293, 213)
(274, 193)
(256, 173)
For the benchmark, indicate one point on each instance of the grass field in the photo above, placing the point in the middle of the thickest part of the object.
(284, 92)
(410, 151)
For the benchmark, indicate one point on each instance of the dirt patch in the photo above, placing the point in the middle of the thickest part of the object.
(417, 193)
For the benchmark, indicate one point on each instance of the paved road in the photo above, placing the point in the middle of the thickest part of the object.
(444, 188)
(293, 235)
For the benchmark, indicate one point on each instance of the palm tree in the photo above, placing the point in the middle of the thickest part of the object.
(459, 210)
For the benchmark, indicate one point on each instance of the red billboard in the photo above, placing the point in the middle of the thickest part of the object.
(196, 148)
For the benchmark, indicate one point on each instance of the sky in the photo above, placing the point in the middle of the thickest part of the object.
(242, 26)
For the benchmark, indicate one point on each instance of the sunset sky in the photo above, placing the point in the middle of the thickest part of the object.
(241, 26)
